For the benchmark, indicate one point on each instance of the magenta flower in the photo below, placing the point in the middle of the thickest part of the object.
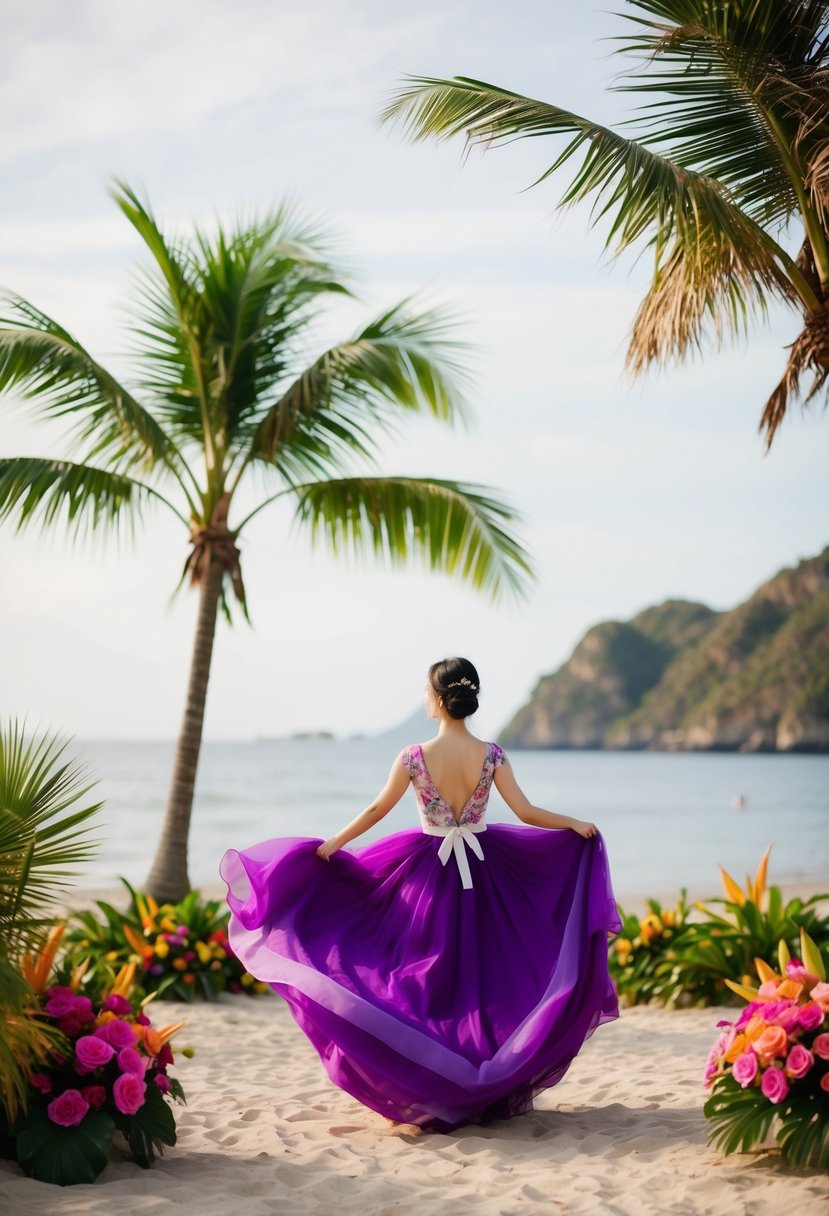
(71, 1025)
(774, 1084)
(162, 1082)
(799, 1061)
(744, 1068)
(82, 1008)
(117, 1003)
(119, 1034)
(142, 1019)
(59, 1004)
(44, 1083)
(129, 1092)
(95, 1095)
(810, 1015)
(129, 1060)
(68, 1108)
(92, 1052)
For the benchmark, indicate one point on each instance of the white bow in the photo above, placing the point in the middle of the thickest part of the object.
(454, 842)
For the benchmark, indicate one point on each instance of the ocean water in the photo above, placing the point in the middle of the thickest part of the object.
(667, 818)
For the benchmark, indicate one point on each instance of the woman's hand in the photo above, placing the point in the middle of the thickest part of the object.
(584, 828)
(328, 847)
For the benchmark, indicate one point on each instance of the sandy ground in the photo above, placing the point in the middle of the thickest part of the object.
(264, 1131)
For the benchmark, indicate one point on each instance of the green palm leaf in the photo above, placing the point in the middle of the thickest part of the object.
(401, 361)
(450, 526)
(44, 362)
(44, 833)
(35, 490)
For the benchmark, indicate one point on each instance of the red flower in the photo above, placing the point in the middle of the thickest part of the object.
(95, 1095)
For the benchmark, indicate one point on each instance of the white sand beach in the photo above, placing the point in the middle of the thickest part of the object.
(265, 1131)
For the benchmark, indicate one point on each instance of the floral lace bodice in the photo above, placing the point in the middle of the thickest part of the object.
(433, 810)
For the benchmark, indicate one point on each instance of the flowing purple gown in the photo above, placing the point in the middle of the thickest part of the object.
(446, 974)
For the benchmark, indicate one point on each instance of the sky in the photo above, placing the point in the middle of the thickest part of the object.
(629, 493)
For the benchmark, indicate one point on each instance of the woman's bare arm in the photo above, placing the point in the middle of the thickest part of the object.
(389, 796)
(519, 803)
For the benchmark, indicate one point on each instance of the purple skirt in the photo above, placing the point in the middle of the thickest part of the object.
(430, 1003)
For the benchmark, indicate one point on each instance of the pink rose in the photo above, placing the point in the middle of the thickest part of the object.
(744, 1068)
(797, 972)
(44, 1083)
(129, 1060)
(82, 1008)
(162, 1082)
(810, 1015)
(820, 993)
(92, 1052)
(799, 1061)
(68, 1108)
(129, 1092)
(95, 1095)
(774, 1085)
(59, 1004)
(119, 1034)
(824, 1081)
(788, 1018)
(117, 1003)
(821, 1046)
(767, 988)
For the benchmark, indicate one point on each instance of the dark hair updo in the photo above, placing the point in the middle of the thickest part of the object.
(456, 680)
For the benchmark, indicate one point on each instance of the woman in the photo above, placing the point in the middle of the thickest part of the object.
(446, 974)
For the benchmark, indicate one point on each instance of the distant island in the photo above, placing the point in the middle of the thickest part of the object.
(680, 676)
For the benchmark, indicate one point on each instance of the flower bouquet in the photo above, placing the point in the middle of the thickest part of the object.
(181, 950)
(108, 1075)
(769, 1070)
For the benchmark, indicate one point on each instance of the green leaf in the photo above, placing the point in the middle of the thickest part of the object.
(150, 1128)
(64, 1155)
(35, 490)
(452, 527)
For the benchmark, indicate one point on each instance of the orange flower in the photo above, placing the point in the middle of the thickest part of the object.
(772, 1042)
(754, 1027)
(788, 989)
(737, 1048)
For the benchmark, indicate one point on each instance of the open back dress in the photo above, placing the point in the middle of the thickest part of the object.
(445, 974)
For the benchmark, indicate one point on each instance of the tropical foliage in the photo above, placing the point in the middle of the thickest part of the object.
(728, 167)
(769, 1070)
(230, 412)
(180, 951)
(643, 946)
(694, 960)
(44, 832)
(106, 1074)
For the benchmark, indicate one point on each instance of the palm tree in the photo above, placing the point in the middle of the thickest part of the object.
(731, 155)
(44, 827)
(228, 399)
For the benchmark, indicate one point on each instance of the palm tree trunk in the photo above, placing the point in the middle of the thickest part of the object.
(168, 880)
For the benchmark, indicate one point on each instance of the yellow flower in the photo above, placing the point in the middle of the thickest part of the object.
(111, 955)
(162, 948)
(668, 917)
(219, 951)
(261, 986)
(623, 947)
(247, 979)
(204, 952)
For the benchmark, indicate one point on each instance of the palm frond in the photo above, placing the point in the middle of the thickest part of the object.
(44, 362)
(697, 233)
(402, 360)
(451, 526)
(730, 81)
(221, 315)
(36, 490)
